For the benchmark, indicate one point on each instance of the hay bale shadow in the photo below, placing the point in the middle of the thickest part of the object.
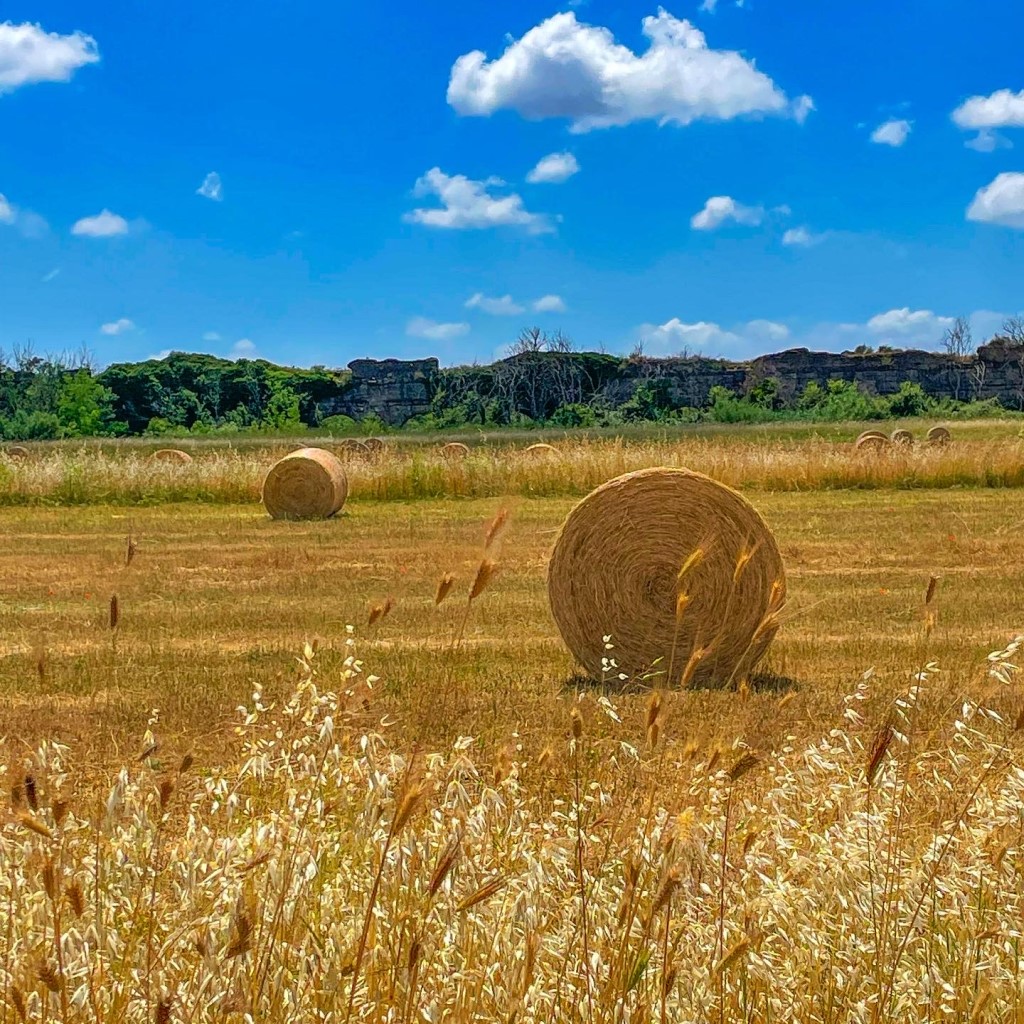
(761, 682)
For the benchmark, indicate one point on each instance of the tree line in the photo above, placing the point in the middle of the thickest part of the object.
(544, 381)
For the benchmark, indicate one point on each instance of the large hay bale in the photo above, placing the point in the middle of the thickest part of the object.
(307, 484)
(901, 437)
(174, 455)
(628, 551)
(454, 450)
(872, 441)
(939, 436)
(16, 451)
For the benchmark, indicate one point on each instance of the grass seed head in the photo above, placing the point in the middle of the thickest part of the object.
(484, 892)
(576, 722)
(444, 587)
(31, 793)
(484, 574)
(18, 1000)
(746, 763)
(496, 525)
(76, 898)
(879, 748)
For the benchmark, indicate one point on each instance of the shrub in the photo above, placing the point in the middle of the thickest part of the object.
(574, 414)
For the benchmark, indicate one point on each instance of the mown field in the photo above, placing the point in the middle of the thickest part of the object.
(461, 828)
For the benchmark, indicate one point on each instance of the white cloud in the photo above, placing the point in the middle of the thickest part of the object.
(1002, 109)
(118, 326)
(467, 204)
(103, 225)
(908, 328)
(900, 328)
(563, 68)
(710, 339)
(553, 169)
(803, 237)
(29, 54)
(1000, 202)
(211, 336)
(988, 141)
(243, 348)
(550, 304)
(892, 133)
(421, 327)
(50, 275)
(719, 209)
(768, 330)
(212, 187)
(675, 336)
(503, 306)
(29, 224)
(709, 6)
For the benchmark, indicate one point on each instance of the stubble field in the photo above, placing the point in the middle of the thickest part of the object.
(461, 828)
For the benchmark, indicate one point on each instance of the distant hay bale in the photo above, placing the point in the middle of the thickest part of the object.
(628, 551)
(539, 451)
(872, 441)
(353, 449)
(901, 437)
(175, 455)
(16, 451)
(375, 445)
(454, 450)
(939, 436)
(307, 484)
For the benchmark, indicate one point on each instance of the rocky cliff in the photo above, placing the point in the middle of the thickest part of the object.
(396, 390)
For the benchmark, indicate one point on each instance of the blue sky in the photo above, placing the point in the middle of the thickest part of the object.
(316, 182)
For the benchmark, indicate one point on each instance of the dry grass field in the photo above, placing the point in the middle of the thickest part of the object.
(230, 806)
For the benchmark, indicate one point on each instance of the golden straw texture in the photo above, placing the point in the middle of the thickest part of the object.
(171, 455)
(902, 437)
(680, 571)
(939, 435)
(307, 484)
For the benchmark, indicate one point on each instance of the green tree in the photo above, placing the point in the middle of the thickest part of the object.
(85, 407)
(281, 411)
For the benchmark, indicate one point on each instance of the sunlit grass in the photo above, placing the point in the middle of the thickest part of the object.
(983, 455)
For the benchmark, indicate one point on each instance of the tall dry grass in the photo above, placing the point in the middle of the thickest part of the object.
(767, 462)
(323, 874)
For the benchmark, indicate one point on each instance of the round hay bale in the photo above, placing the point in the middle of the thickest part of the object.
(454, 450)
(868, 433)
(539, 451)
(374, 445)
(16, 451)
(628, 551)
(939, 436)
(307, 484)
(353, 449)
(175, 455)
(872, 442)
(901, 437)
